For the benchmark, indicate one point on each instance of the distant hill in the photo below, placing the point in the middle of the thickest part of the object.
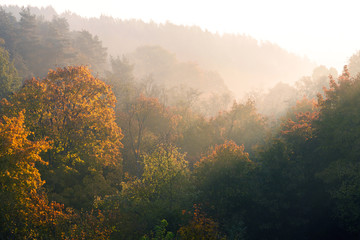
(242, 61)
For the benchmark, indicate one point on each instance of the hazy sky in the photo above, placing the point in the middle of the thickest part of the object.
(324, 30)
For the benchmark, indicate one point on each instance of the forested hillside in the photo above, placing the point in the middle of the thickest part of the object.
(146, 146)
(37, 45)
(242, 61)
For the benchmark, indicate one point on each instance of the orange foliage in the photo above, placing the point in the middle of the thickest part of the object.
(305, 113)
(302, 126)
(222, 153)
(75, 110)
(332, 94)
(25, 211)
(200, 227)
(24, 207)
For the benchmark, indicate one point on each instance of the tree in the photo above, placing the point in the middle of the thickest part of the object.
(121, 79)
(196, 134)
(76, 111)
(56, 49)
(354, 64)
(201, 227)
(297, 126)
(310, 87)
(338, 136)
(277, 101)
(36, 45)
(308, 179)
(241, 124)
(29, 43)
(89, 50)
(147, 124)
(286, 195)
(223, 180)
(162, 192)
(8, 30)
(160, 232)
(20, 192)
(9, 80)
(164, 179)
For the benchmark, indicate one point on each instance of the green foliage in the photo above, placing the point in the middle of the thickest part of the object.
(165, 172)
(224, 183)
(280, 211)
(308, 181)
(8, 30)
(196, 134)
(165, 179)
(338, 133)
(36, 45)
(160, 233)
(163, 191)
(121, 80)
(29, 42)
(146, 124)
(9, 80)
(89, 50)
(164, 169)
(59, 139)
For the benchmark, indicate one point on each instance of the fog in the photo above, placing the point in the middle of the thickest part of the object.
(216, 66)
(242, 61)
(124, 129)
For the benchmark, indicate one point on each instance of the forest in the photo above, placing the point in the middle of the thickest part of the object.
(147, 145)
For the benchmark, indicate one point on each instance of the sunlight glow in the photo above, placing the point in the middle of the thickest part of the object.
(322, 30)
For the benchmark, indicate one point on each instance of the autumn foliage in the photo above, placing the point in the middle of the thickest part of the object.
(300, 121)
(200, 227)
(76, 164)
(25, 210)
(21, 197)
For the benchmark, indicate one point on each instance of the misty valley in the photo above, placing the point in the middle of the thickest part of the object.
(122, 129)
